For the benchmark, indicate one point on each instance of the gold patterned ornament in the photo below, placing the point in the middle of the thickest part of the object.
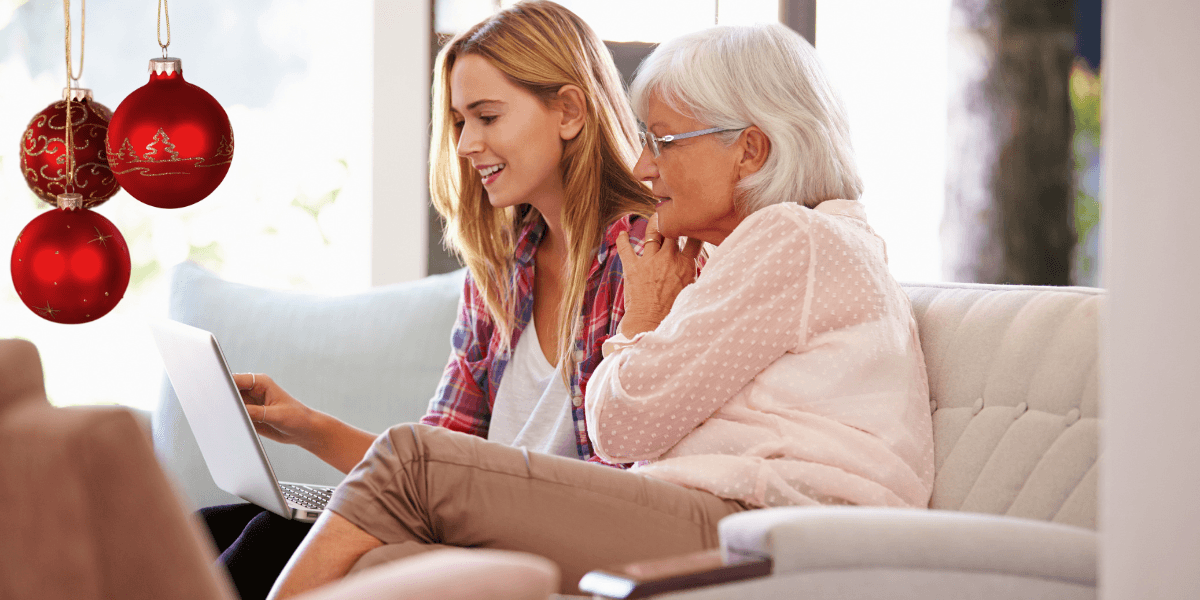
(50, 170)
(169, 143)
(57, 159)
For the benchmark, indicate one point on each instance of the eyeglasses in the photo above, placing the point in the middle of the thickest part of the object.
(656, 143)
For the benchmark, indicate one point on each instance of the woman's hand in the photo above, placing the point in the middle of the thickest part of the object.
(654, 279)
(275, 413)
(280, 417)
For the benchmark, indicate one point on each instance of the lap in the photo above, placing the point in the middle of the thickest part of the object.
(229, 523)
(254, 544)
(226, 522)
(431, 485)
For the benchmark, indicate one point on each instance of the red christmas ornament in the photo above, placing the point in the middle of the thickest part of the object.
(70, 265)
(169, 142)
(43, 150)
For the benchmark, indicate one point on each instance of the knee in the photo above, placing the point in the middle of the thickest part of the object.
(404, 437)
(411, 442)
(407, 441)
(270, 526)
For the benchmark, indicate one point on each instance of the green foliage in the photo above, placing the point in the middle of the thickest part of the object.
(209, 256)
(1085, 91)
(1087, 211)
(313, 206)
(1085, 103)
(143, 273)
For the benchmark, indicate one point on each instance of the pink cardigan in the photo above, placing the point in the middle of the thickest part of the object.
(790, 373)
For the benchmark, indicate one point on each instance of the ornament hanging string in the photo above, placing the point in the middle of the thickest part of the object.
(82, 39)
(72, 77)
(163, 9)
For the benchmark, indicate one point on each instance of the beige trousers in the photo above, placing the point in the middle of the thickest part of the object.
(420, 487)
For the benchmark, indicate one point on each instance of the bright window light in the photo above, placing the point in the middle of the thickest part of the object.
(655, 20)
(888, 60)
(293, 212)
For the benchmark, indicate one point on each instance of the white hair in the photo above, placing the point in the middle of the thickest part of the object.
(769, 76)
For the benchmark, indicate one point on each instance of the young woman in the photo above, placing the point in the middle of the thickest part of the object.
(533, 142)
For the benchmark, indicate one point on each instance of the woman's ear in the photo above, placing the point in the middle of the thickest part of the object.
(756, 147)
(573, 106)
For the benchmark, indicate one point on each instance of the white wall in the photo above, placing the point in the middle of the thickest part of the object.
(1150, 485)
(399, 230)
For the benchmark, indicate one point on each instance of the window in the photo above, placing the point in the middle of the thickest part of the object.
(624, 20)
(290, 214)
(888, 61)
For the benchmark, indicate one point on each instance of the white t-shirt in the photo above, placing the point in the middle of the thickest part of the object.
(533, 408)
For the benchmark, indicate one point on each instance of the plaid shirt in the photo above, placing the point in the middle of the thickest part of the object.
(467, 392)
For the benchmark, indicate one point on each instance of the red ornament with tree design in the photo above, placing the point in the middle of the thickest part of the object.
(70, 265)
(169, 143)
(43, 150)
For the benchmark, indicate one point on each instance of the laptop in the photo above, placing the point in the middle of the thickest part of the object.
(223, 429)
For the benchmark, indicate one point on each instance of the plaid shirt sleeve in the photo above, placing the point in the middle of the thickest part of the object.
(461, 400)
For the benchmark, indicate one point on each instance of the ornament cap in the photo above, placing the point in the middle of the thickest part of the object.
(70, 201)
(77, 94)
(166, 66)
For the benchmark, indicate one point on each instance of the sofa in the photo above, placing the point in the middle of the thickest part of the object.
(1013, 386)
(1013, 382)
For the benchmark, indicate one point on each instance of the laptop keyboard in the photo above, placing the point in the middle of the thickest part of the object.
(308, 496)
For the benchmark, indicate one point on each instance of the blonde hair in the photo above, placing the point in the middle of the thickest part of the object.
(764, 75)
(540, 47)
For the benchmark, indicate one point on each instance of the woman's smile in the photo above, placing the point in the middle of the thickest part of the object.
(490, 173)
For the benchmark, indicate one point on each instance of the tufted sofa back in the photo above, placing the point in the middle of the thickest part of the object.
(1012, 377)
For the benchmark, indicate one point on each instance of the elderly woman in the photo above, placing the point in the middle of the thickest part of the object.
(788, 373)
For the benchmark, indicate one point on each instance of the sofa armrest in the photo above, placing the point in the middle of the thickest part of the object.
(824, 538)
(850, 544)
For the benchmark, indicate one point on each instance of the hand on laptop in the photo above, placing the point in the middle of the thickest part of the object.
(275, 413)
(280, 417)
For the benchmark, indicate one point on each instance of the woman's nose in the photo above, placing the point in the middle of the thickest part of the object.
(468, 142)
(646, 167)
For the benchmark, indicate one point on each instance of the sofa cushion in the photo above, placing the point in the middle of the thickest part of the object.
(1013, 382)
(371, 359)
